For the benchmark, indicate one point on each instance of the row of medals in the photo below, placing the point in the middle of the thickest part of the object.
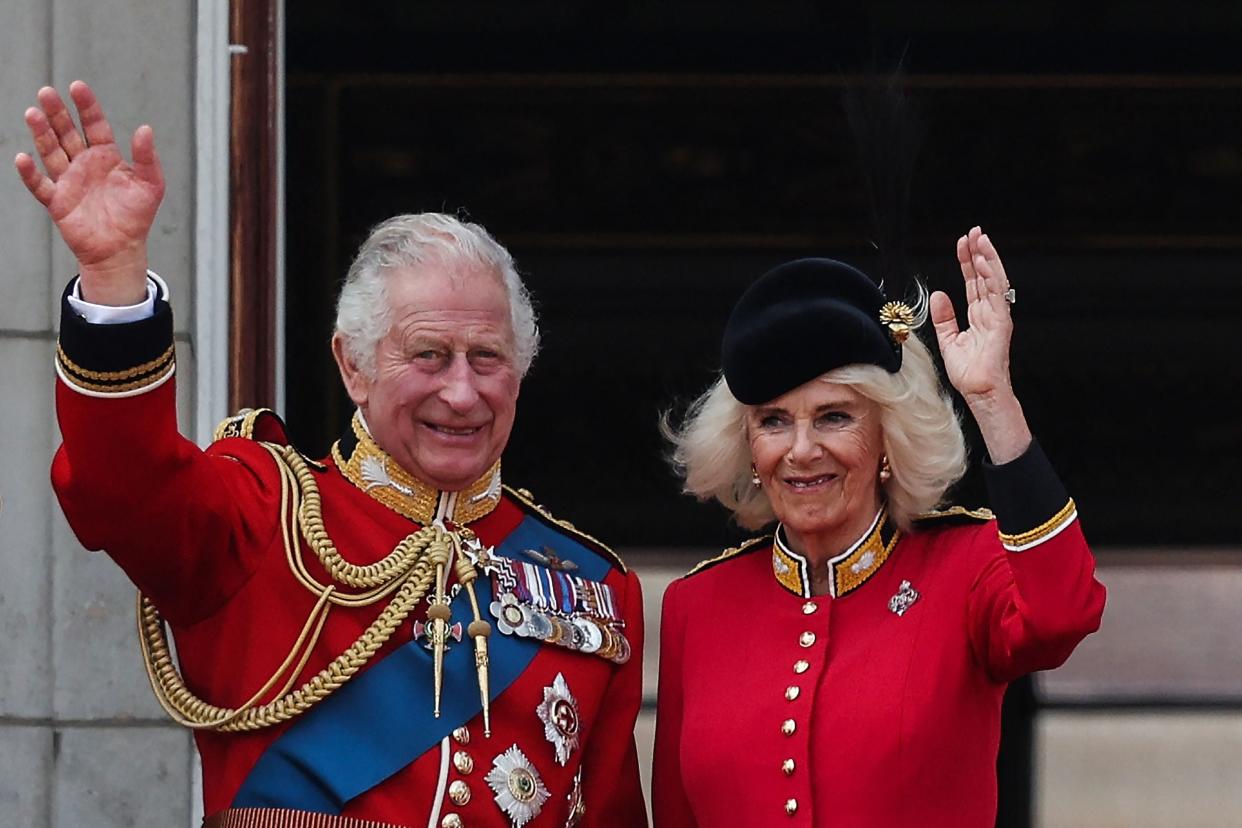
(576, 632)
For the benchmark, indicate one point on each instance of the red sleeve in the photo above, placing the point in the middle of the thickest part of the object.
(611, 787)
(186, 526)
(670, 807)
(1037, 597)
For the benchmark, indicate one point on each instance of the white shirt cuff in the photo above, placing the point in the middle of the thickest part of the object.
(112, 315)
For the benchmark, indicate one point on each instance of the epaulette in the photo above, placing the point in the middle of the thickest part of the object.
(526, 499)
(953, 516)
(751, 545)
(261, 425)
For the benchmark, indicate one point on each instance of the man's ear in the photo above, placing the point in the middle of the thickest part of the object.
(357, 384)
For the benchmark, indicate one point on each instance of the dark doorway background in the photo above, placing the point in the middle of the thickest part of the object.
(645, 161)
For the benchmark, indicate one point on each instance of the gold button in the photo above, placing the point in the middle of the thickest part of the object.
(791, 692)
(451, 821)
(788, 727)
(806, 639)
(801, 666)
(809, 607)
(461, 735)
(791, 806)
(788, 767)
(463, 762)
(459, 792)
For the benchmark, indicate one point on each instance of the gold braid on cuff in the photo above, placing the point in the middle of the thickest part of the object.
(1044, 529)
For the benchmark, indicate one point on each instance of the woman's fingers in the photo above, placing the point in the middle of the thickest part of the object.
(965, 261)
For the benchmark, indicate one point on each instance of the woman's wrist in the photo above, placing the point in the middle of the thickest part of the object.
(1002, 424)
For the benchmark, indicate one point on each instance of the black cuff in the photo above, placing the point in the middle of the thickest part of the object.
(123, 358)
(1026, 494)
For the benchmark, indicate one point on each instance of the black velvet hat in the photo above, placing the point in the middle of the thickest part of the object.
(805, 318)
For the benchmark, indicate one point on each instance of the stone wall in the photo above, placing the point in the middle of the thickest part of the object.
(82, 741)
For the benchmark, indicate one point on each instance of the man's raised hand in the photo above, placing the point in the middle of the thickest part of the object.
(102, 206)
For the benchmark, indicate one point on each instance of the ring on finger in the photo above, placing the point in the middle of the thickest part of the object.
(1011, 296)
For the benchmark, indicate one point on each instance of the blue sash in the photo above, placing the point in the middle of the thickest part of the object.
(381, 720)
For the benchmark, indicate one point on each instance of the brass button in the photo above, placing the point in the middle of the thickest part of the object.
(788, 727)
(801, 666)
(461, 736)
(459, 792)
(809, 607)
(463, 762)
(792, 692)
(788, 767)
(806, 639)
(791, 806)
(451, 821)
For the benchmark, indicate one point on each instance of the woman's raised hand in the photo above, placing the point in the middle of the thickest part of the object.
(977, 358)
(102, 205)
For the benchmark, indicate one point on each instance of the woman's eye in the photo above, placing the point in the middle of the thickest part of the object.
(834, 418)
(770, 421)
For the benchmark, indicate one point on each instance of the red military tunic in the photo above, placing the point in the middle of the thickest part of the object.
(879, 704)
(200, 534)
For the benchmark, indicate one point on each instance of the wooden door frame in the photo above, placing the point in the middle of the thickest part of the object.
(255, 198)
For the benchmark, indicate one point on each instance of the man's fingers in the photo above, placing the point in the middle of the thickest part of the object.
(146, 159)
(40, 186)
(55, 161)
(62, 122)
(94, 124)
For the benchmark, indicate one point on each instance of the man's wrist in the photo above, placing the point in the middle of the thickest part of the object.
(119, 281)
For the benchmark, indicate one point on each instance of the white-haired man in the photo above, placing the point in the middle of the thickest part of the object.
(389, 637)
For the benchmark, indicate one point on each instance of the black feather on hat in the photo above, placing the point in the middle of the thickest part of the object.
(810, 316)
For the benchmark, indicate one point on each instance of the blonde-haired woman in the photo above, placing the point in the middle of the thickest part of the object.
(847, 668)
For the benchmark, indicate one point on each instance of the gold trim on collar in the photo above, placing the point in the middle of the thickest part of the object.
(371, 469)
(850, 569)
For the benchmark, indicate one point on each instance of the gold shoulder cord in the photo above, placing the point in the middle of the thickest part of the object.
(408, 571)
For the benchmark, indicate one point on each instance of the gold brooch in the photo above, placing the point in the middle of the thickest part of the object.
(899, 319)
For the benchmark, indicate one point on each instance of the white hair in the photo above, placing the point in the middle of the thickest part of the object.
(363, 315)
(922, 438)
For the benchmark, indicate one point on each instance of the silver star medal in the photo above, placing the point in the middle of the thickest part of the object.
(479, 555)
(559, 714)
(519, 791)
(904, 599)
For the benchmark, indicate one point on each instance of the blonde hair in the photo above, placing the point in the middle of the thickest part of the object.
(921, 432)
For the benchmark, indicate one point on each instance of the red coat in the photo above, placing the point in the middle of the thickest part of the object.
(780, 709)
(199, 534)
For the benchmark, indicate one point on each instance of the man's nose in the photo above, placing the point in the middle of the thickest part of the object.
(459, 391)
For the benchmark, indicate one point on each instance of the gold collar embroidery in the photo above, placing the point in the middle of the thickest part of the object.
(371, 469)
(850, 569)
